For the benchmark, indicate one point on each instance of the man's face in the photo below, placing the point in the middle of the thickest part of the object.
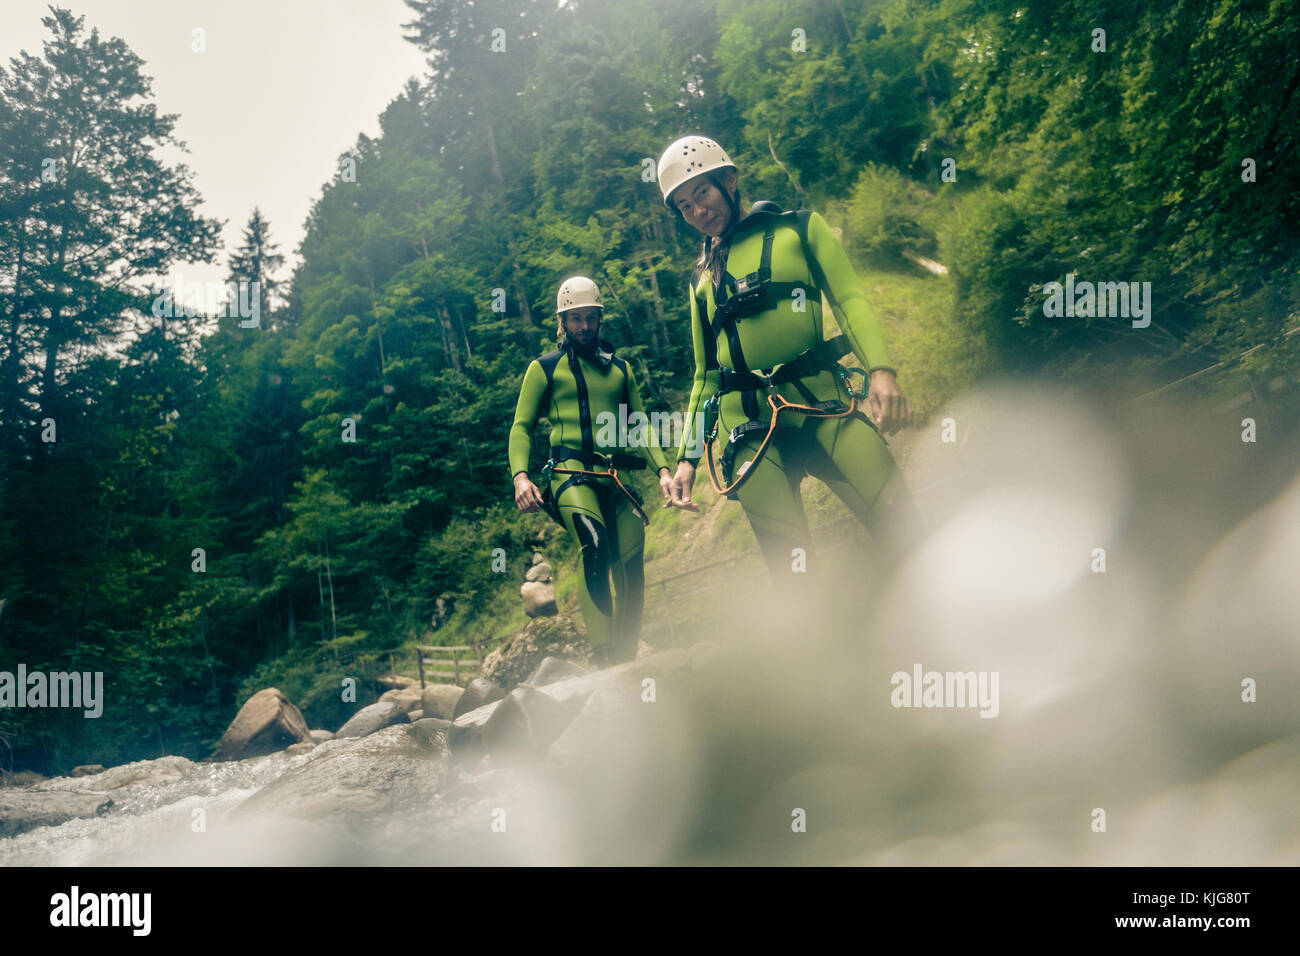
(703, 205)
(583, 325)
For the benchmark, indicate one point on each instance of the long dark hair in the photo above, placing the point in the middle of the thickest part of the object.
(713, 253)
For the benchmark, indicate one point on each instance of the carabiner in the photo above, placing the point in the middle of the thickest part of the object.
(711, 418)
(844, 374)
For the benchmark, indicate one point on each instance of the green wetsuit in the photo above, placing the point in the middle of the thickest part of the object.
(581, 398)
(846, 453)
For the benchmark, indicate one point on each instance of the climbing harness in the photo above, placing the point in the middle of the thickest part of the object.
(756, 292)
(813, 360)
(612, 464)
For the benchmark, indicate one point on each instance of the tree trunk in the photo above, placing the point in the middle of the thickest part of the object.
(449, 338)
(334, 621)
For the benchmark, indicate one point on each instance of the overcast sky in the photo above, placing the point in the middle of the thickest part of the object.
(283, 88)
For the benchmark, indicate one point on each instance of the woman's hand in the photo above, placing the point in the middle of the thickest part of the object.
(887, 403)
(666, 485)
(680, 487)
(527, 497)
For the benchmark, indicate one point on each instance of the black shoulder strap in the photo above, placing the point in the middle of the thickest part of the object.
(548, 362)
(802, 217)
(584, 403)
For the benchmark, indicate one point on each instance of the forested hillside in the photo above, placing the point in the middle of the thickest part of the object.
(1012, 143)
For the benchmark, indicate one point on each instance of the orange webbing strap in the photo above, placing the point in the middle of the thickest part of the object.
(771, 429)
(612, 473)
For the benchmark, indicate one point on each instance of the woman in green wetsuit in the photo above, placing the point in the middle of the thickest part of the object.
(584, 390)
(756, 326)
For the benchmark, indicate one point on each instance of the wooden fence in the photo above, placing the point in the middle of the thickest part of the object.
(427, 663)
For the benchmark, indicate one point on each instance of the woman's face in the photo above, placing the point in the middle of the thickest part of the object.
(703, 205)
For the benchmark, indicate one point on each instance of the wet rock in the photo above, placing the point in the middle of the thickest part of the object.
(553, 669)
(465, 737)
(375, 717)
(439, 700)
(23, 810)
(539, 599)
(392, 769)
(158, 771)
(481, 690)
(432, 729)
(267, 722)
(524, 723)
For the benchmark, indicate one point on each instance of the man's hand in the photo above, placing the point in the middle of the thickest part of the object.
(527, 497)
(886, 402)
(680, 487)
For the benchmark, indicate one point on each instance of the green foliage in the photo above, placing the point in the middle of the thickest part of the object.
(427, 283)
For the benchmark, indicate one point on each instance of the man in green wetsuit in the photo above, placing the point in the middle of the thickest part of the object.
(756, 326)
(583, 390)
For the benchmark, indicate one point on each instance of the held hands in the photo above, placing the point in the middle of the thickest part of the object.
(886, 402)
(527, 497)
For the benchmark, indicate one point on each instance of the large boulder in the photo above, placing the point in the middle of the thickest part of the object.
(525, 723)
(439, 700)
(408, 698)
(481, 691)
(520, 656)
(22, 810)
(377, 716)
(160, 770)
(539, 599)
(393, 769)
(465, 737)
(267, 722)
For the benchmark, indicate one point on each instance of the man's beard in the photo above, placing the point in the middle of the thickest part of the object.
(586, 346)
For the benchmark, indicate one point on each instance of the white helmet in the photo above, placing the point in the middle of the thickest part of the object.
(686, 159)
(577, 293)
